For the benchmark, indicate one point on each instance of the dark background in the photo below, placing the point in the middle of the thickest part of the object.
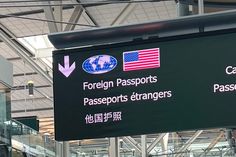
(189, 67)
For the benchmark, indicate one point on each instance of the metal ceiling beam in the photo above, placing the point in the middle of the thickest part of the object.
(154, 143)
(42, 93)
(213, 143)
(124, 14)
(13, 59)
(188, 143)
(58, 14)
(5, 35)
(31, 12)
(25, 74)
(134, 143)
(48, 10)
(23, 87)
(91, 18)
(78, 10)
(89, 15)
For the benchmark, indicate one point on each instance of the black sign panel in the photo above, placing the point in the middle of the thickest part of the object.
(145, 87)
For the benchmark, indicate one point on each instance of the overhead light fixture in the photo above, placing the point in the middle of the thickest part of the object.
(31, 88)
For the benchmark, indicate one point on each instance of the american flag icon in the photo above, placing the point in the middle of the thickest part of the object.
(141, 59)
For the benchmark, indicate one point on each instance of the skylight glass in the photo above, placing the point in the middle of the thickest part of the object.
(40, 46)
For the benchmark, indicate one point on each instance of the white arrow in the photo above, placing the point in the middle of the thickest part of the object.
(67, 69)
